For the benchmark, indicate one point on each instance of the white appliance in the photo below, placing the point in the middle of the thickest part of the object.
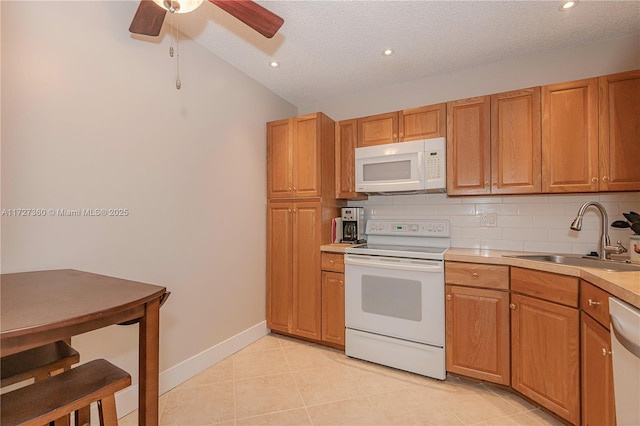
(416, 166)
(394, 295)
(625, 346)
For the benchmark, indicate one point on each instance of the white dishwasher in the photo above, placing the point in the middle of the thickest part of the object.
(625, 346)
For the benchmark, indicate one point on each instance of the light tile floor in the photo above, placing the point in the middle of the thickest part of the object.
(283, 381)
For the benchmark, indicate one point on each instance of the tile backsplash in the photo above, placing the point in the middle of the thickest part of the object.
(519, 222)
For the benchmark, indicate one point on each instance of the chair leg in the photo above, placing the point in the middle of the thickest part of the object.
(83, 416)
(107, 410)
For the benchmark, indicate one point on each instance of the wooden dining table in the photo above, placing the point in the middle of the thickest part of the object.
(41, 307)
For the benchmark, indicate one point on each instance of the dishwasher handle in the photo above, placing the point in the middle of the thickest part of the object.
(632, 347)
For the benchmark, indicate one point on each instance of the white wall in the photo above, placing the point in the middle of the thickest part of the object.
(602, 57)
(92, 119)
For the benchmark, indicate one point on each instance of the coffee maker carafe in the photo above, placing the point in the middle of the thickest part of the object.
(353, 225)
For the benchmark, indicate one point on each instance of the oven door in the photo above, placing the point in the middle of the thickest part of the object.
(395, 297)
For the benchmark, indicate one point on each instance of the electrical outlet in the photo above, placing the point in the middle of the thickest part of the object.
(489, 220)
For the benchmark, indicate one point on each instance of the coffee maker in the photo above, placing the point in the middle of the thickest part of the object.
(353, 225)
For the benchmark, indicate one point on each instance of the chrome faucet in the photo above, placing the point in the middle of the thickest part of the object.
(605, 244)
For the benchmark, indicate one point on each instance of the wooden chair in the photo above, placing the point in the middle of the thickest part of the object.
(38, 363)
(47, 400)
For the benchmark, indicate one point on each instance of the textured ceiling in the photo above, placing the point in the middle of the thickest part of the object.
(331, 48)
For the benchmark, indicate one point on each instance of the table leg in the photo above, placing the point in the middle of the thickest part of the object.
(148, 364)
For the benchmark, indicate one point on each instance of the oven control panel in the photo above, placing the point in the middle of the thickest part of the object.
(416, 228)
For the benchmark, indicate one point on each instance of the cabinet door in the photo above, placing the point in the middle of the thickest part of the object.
(620, 131)
(468, 146)
(333, 307)
(597, 374)
(279, 261)
(570, 137)
(423, 123)
(346, 139)
(378, 129)
(306, 156)
(477, 333)
(545, 363)
(279, 159)
(515, 142)
(307, 223)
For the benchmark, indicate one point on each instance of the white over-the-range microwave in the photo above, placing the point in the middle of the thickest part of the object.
(405, 167)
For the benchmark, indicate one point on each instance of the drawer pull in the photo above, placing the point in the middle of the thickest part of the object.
(512, 305)
(593, 302)
(605, 352)
(474, 275)
(331, 262)
(448, 297)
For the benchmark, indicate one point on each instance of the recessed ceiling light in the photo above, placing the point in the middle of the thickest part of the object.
(274, 64)
(568, 5)
(387, 52)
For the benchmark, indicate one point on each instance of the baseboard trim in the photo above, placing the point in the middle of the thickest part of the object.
(127, 400)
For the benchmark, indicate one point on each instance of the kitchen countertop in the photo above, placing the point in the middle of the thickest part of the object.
(337, 248)
(623, 285)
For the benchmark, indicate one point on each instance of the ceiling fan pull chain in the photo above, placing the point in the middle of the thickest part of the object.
(178, 83)
(171, 35)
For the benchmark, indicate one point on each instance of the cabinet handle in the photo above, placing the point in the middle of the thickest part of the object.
(495, 183)
(448, 297)
(605, 352)
(474, 275)
(294, 188)
(594, 179)
(486, 184)
(593, 302)
(401, 135)
(605, 178)
(512, 305)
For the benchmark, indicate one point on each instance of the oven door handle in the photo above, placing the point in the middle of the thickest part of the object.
(403, 265)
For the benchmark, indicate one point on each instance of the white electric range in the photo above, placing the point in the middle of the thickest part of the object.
(394, 295)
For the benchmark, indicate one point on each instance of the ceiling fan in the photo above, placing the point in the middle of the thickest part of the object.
(150, 15)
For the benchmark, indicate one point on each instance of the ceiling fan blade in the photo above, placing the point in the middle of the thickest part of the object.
(148, 19)
(257, 17)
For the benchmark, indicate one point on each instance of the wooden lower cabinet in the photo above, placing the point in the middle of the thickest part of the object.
(598, 406)
(293, 268)
(333, 308)
(545, 354)
(477, 333)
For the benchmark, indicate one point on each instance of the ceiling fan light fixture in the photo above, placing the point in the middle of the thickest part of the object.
(179, 6)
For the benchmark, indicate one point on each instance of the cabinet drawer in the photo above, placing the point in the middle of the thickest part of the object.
(595, 302)
(477, 275)
(545, 285)
(333, 262)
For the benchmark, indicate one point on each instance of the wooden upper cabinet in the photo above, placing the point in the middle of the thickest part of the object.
(515, 142)
(279, 159)
(300, 157)
(570, 136)
(346, 140)
(422, 123)
(468, 146)
(619, 128)
(378, 129)
(306, 155)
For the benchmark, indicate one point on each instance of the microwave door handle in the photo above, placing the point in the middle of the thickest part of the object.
(380, 263)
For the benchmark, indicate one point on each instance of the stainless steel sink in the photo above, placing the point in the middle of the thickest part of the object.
(582, 261)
